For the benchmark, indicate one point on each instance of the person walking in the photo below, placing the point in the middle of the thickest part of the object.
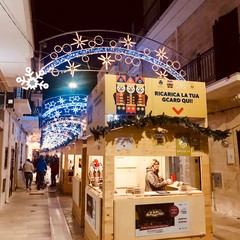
(54, 165)
(28, 170)
(41, 168)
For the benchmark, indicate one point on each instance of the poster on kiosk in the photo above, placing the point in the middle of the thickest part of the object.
(162, 218)
(140, 96)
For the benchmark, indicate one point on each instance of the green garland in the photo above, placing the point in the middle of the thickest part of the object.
(158, 121)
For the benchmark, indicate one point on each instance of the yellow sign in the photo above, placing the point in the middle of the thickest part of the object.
(140, 96)
(178, 98)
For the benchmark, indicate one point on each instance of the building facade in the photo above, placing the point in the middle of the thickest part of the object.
(16, 128)
(207, 34)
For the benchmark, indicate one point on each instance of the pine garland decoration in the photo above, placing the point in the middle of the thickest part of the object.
(158, 121)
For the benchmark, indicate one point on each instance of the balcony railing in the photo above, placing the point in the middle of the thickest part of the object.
(202, 68)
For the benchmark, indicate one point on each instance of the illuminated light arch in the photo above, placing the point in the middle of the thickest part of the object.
(69, 105)
(114, 50)
(58, 134)
(62, 120)
(83, 48)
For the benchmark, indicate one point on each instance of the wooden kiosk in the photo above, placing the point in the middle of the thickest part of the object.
(70, 171)
(116, 204)
(79, 181)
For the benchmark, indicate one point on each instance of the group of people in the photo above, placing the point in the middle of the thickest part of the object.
(153, 182)
(39, 165)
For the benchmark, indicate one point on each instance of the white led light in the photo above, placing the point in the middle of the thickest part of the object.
(84, 48)
(72, 85)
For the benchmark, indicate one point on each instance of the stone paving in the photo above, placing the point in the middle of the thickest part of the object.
(26, 216)
(33, 215)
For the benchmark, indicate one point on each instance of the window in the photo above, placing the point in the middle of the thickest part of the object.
(187, 169)
(238, 145)
(13, 128)
(6, 157)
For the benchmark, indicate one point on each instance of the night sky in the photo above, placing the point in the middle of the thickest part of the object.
(54, 17)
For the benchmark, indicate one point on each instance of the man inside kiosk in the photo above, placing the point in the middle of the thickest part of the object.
(152, 180)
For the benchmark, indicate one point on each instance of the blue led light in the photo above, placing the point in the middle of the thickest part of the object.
(114, 50)
(62, 120)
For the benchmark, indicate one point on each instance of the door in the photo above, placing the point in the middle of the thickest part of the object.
(12, 165)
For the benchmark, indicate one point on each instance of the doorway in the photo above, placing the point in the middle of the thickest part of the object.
(12, 167)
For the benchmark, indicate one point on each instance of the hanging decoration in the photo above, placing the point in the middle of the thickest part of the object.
(158, 121)
(128, 50)
(68, 105)
(63, 119)
(31, 80)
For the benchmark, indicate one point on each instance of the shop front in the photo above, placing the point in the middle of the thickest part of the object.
(70, 168)
(119, 206)
(131, 122)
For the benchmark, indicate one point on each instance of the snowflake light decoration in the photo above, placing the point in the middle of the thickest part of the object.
(161, 54)
(72, 68)
(162, 74)
(79, 42)
(31, 81)
(127, 42)
(106, 60)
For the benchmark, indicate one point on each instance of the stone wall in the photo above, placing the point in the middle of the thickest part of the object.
(227, 197)
(197, 30)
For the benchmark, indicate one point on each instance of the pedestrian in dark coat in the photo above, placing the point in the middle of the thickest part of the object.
(54, 165)
(41, 168)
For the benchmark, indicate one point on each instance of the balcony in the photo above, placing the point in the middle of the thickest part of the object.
(27, 112)
(221, 94)
(224, 94)
(21, 102)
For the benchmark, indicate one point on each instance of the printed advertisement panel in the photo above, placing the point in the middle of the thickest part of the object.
(140, 96)
(163, 218)
(93, 211)
(178, 98)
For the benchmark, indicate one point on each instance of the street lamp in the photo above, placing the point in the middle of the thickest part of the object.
(72, 85)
